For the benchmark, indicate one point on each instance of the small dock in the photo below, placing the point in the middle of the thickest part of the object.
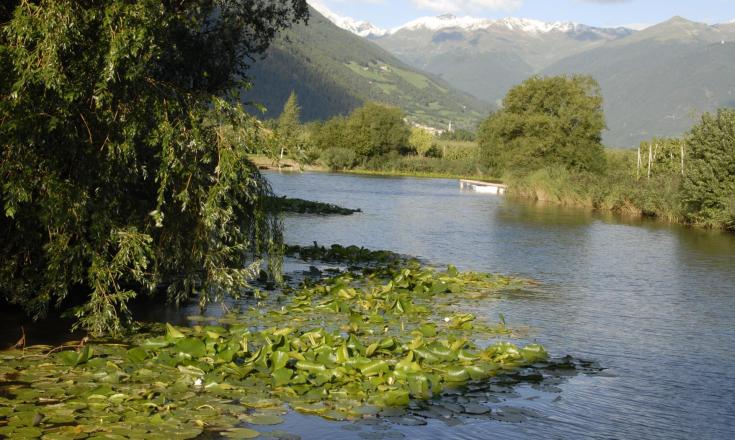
(482, 187)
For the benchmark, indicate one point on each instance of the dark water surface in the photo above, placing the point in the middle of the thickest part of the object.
(654, 304)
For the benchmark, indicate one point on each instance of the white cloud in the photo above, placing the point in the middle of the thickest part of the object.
(454, 6)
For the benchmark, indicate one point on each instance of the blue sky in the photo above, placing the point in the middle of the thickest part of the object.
(391, 13)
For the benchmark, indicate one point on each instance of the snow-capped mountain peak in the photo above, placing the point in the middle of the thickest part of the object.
(448, 21)
(357, 27)
(442, 22)
(472, 24)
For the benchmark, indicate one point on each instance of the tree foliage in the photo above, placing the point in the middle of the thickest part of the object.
(288, 128)
(708, 189)
(118, 176)
(421, 141)
(546, 121)
(377, 129)
(289, 123)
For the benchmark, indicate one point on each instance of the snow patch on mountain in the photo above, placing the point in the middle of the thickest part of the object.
(357, 27)
(472, 24)
(448, 21)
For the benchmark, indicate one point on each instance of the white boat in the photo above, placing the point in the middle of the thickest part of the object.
(482, 187)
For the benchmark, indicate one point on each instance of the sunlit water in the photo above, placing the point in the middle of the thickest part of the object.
(654, 304)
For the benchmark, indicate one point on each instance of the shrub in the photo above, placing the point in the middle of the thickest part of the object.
(337, 158)
(708, 189)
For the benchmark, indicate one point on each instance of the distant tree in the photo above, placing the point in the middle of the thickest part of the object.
(331, 134)
(546, 121)
(708, 189)
(420, 140)
(376, 129)
(459, 134)
(289, 125)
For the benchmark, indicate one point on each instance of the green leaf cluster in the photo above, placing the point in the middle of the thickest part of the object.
(708, 189)
(344, 347)
(546, 121)
(124, 170)
(370, 131)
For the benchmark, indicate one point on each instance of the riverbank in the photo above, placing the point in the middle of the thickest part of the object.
(290, 165)
(618, 191)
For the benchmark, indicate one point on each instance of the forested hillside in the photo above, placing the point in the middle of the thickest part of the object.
(333, 71)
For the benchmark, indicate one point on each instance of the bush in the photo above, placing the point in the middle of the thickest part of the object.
(708, 190)
(337, 158)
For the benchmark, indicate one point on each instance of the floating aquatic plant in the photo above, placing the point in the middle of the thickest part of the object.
(301, 206)
(342, 348)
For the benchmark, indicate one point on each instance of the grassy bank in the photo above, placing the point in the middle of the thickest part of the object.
(433, 171)
(620, 189)
(624, 187)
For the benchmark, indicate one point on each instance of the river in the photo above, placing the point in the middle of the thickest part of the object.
(653, 304)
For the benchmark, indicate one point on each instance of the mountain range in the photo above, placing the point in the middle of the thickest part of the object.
(655, 81)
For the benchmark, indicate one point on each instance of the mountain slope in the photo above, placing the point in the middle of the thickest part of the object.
(333, 71)
(658, 81)
(487, 57)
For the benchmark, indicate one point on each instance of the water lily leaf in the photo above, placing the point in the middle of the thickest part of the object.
(465, 356)
(534, 353)
(155, 343)
(310, 366)
(263, 419)
(191, 370)
(74, 358)
(419, 386)
(456, 374)
(26, 433)
(173, 333)
(476, 372)
(452, 271)
(342, 354)
(282, 376)
(374, 368)
(320, 378)
(428, 330)
(136, 355)
(279, 359)
(240, 433)
(191, 346)
(396, 398)
(371, 349)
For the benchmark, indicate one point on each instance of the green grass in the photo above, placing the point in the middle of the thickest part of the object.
(413, 78)
(365, 72)
(421, 174)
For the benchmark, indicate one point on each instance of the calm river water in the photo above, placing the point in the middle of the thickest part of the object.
(653, 304)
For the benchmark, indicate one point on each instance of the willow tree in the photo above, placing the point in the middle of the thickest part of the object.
(546, 121)
(117, 174)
